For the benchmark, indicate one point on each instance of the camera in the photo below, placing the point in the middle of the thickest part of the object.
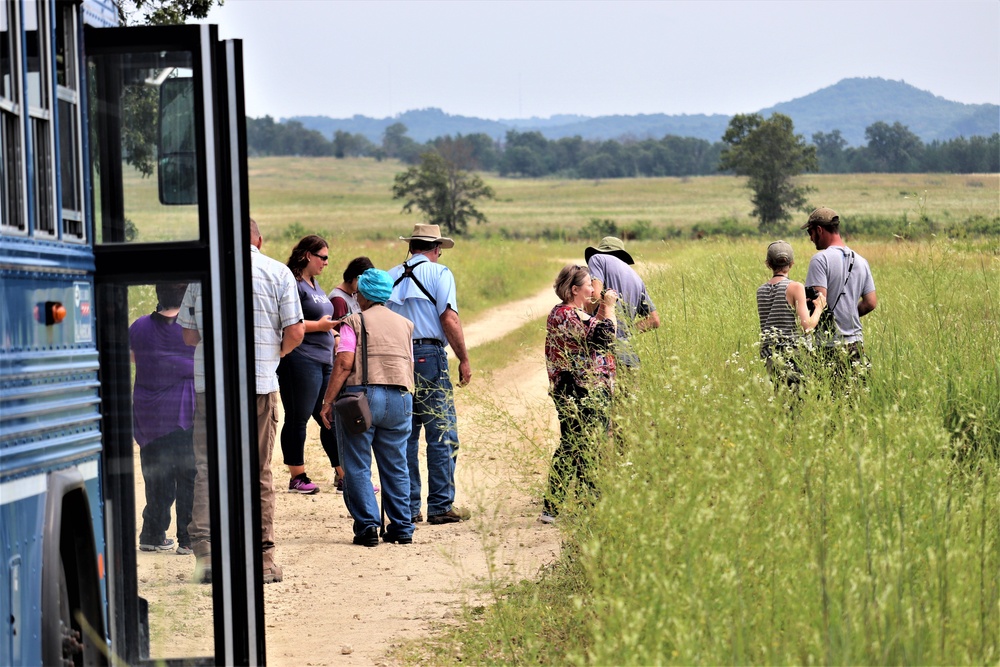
(811, 295)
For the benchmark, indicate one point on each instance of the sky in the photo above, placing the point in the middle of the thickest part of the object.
(519, 59)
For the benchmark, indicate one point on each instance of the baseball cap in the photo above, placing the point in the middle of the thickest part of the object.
(780, 253)
(822, 216)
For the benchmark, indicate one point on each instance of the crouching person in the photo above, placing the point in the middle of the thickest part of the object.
(375, 357)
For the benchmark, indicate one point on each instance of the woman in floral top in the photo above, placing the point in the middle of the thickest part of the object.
(581, 366)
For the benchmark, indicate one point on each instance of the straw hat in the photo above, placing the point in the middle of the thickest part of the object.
(429, 233)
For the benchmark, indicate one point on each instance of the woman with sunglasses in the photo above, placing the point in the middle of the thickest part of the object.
(303, 372)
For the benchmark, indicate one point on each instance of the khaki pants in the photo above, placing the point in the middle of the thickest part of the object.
(200, 527)
(267, 429)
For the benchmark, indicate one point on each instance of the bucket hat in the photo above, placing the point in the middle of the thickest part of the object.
(610, 245)
(429, 233)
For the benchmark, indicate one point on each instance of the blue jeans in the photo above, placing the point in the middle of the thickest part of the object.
(390, 407)
(434, 409)
(302, 382)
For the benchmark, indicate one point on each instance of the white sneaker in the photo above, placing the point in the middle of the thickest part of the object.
(545, 517)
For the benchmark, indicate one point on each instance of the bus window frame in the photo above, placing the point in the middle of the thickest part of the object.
(13, 166)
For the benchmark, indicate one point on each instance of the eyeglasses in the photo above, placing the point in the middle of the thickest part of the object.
(325, 258)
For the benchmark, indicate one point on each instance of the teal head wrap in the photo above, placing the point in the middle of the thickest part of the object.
(375, 285)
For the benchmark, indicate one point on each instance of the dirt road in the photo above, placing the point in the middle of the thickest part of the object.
(341, 604)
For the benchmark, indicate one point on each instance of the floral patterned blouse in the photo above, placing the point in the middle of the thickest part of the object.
(579, 348)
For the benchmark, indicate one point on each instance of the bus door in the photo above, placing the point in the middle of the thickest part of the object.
(175, 338)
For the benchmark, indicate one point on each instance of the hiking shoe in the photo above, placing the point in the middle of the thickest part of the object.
(398, 539)
(547, 518)
(454, 515)
(165, 545)
(302, 484)
(338, 486)
(369, 538)
(272, 574)
(418, 517)
(184, 551)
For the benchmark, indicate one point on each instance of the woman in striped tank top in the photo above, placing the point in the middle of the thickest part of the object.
(784, 317)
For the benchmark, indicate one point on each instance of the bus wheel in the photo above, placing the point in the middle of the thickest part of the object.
(72, 647)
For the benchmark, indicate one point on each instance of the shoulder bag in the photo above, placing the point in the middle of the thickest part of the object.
(352, 406)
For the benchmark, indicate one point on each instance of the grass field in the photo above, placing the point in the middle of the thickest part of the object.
(351, 199)
(743, 526)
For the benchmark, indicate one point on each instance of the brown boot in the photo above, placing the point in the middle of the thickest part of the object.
(203, 569)
(272, 573)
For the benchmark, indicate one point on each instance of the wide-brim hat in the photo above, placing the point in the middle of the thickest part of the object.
(610, 245)
(430, 234)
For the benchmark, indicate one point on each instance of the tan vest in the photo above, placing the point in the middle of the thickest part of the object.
(390, 348)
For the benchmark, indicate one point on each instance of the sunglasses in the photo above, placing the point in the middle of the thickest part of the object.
(325, 258)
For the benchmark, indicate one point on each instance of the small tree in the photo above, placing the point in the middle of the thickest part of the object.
(443, 192)
(770, 154)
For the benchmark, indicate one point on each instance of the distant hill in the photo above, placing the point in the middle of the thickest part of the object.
(853, 104)
(849, 106)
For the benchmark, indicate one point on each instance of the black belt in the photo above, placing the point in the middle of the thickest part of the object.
(428, 341)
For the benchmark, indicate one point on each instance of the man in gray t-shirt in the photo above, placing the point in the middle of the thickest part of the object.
(610, 268)
(845, 278)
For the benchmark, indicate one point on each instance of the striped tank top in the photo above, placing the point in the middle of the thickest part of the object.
(778, 326)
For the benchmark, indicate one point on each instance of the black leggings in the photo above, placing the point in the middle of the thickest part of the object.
(583, 418)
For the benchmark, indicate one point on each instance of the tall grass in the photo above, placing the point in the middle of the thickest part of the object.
(744, 525)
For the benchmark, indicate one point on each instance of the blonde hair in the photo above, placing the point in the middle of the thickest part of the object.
(569, 277)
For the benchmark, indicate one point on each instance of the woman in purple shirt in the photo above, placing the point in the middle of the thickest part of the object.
(303, 372)
(163, 418)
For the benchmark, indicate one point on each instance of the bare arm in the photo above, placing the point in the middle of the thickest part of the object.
(325, 323)
(648, 323)
(796, 297)
(456, 338)
(191, 337)
(867, 304)
(292, 336)
(342, 367)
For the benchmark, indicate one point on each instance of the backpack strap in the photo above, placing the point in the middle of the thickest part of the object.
(408, 273)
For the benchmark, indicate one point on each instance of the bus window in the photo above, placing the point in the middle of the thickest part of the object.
(12, 202)
(37, 50)
(169, 435)
(68, 114)
(137, 79)
(177, 146)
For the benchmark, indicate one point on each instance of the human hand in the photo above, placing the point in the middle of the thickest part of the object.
(326, 415)
(609, 298)
(464, 373)
(326, 323)
(820, 301)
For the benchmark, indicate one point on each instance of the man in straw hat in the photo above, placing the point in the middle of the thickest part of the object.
(610, 267)
(845, 279)
(424, 293)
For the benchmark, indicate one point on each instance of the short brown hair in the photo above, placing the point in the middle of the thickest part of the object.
(569, 277)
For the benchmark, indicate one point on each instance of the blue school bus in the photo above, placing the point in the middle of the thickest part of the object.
(122, 166)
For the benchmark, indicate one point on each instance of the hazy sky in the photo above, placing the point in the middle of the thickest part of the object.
(520, 59)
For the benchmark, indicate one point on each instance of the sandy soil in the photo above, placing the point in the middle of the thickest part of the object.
(341, 604)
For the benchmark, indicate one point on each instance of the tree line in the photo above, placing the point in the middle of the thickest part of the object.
(890, 148)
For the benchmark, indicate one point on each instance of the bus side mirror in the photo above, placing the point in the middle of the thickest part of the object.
(177, 171)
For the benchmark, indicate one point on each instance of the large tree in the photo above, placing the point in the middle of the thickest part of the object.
(893, 148)
(770, 155)
(444, 193)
